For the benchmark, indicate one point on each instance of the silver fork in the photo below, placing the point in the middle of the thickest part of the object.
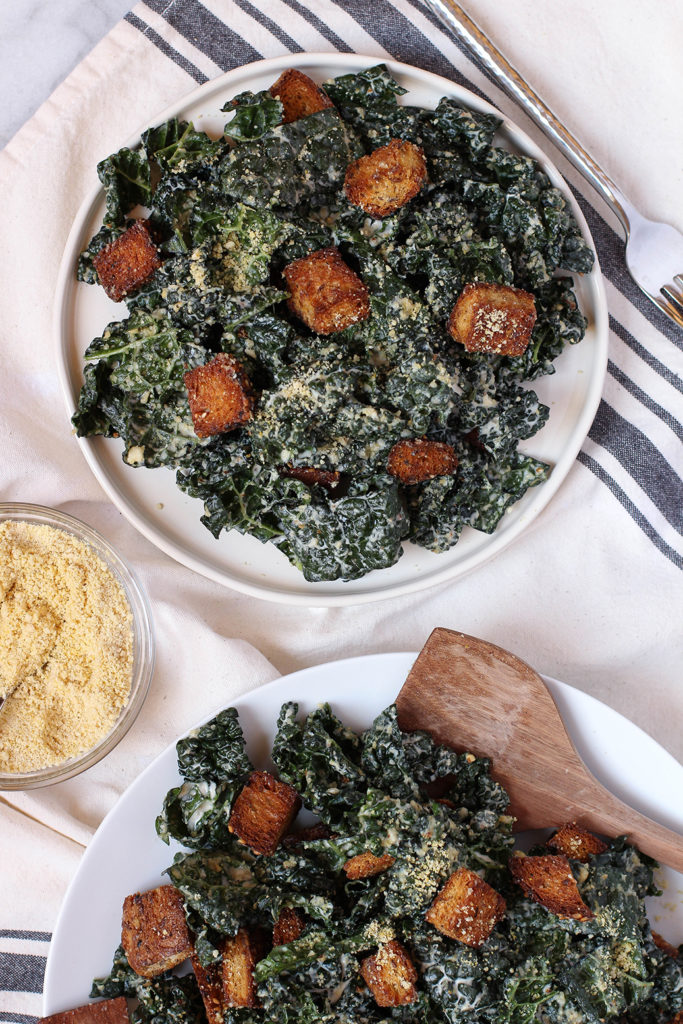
(654, 251)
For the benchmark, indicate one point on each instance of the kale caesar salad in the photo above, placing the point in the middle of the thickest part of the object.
(333, 314)
(399, 898)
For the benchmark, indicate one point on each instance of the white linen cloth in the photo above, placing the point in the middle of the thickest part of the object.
(590, 594)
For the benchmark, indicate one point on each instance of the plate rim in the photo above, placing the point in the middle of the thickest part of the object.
(306, 593)
(252, 698)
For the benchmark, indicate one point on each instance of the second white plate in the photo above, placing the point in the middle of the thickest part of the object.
(126, 855)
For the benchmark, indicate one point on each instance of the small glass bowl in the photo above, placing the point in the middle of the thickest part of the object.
(143, 644)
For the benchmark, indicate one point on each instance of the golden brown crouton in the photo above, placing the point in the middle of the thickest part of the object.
(127, 262)
(576, 842)
(493, 318)
(549, 881)
(390, 975)
(467, 908)
(304, 835)
(239, 957)
(309, 476)
(678, 1019)
(666, 947)
(288, 926)
(210, 985)
(154, 934)
(325, 293)
(415, 459)
(263, 812)
(220, 396)
(107, 1011)
(387, 178)
(366, 865)
(299, 95)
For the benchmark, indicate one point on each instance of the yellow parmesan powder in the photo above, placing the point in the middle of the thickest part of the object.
(66, 643)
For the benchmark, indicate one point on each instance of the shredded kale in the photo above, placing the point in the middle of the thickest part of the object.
(227, 215)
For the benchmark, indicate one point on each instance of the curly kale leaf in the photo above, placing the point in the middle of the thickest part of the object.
(243, 241)
(452, 126)
(164, 998)
(215, 751)
(176, 145)
(136, 389)
(301, 160)
(368, 101)
(255, 114)
(219, 885)
(345, 538)
(126, 178)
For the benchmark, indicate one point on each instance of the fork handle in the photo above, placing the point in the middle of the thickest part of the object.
(462, 26)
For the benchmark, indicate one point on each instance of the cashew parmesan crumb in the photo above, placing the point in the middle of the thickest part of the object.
(66, 643)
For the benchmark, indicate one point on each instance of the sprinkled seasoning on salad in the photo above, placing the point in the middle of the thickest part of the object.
(403, 902)
(338, 274)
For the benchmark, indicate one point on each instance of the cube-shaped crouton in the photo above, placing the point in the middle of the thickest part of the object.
(576, 842)
(666, 947)
(127, 262)
(390, 975)
(154, 934)
(549, 881)
(366, 865)
(299, 95)
(107, 1011)
(220, 396)
(210, 985)
(263, 812)
(493, 318)
(310, 476)
(413, 460)
(325, 293)
(240, 955)
(288, 926)
(387, 178)
(467, 908)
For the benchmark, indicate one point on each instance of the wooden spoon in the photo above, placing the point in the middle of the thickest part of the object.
(476, 697)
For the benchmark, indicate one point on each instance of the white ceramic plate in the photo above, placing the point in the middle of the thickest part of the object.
(170, 519)
(126, 855)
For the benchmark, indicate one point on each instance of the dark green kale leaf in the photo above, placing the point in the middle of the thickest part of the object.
(215, 751)
(176, 145)
(367, 100)
(454, 127)
(303, 160)
(219, 885)
(255, 114)
(243, 241)
(164, 998)
(127, 183)
(136, 390)
(347, 537)
(121, 980)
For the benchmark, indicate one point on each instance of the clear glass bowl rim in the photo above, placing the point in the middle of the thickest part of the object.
(143, 643)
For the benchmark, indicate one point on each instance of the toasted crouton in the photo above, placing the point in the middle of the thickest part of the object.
(549, 881)
(154, 934)
(220, 396)
(366, 865)
(678, 1019)
(127, 262)
(666, 947)
(210, 985)
(387, 178)
(107, 1011)
(240, 955)
(467, 908)
(263, 812)
(576, 842)
(413, 460)
(299, 95)
(325, 293)
(390, 975)
(310, 476)
(288, 926)
(493, 318)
